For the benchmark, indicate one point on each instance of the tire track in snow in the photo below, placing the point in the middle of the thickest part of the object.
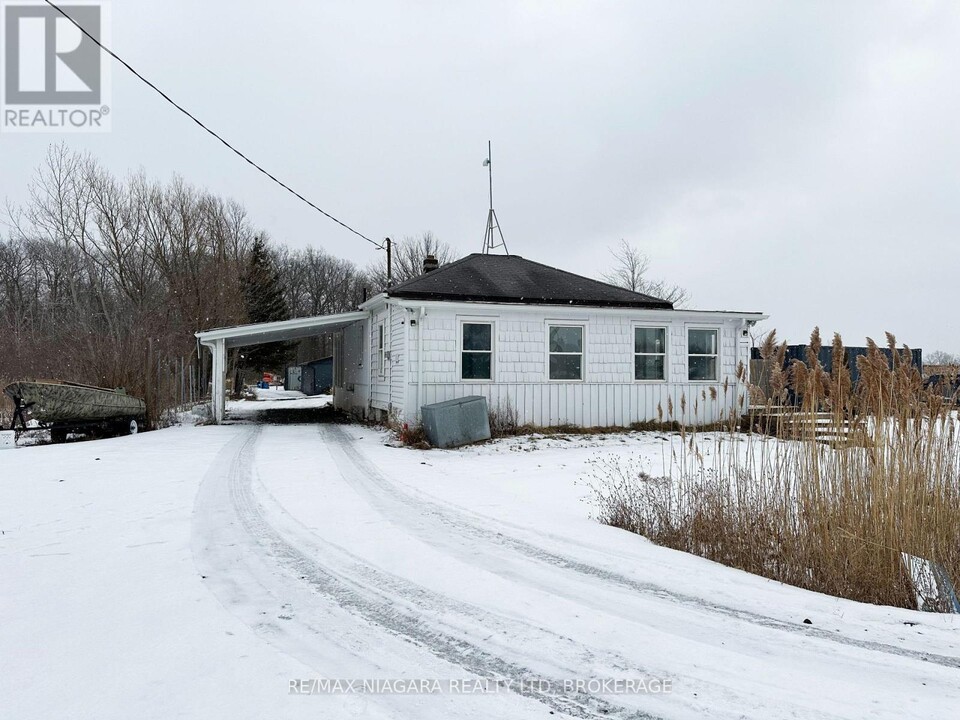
(472, 527)
(249, 586)
(396, 606)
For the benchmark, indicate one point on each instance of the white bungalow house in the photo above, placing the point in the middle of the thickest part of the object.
(554, 347)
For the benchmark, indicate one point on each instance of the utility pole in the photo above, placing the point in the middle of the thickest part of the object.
(489, 239)
(389, 263)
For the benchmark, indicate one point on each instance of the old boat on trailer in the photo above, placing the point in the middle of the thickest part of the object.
(64, 407)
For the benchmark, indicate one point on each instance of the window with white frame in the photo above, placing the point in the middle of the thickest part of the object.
(649, 353)
(476, 351)
(565, 346)
(381, 352)
(702, 354)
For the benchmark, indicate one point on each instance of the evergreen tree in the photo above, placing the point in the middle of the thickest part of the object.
(264, 301)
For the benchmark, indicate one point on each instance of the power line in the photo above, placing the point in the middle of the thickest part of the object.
(190, 115)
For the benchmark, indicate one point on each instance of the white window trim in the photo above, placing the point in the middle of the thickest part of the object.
(471, 320)
(382, 350)
(583, 349)
(715, 329)
(666, 352)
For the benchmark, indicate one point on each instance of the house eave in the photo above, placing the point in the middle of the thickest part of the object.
(640, 304)
(673, 313)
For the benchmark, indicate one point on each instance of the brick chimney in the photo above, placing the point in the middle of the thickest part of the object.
(430, 263)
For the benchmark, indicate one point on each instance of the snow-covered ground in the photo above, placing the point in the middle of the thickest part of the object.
(276, 398)
(197, 571)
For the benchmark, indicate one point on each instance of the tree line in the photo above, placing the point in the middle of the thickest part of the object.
(104, 280)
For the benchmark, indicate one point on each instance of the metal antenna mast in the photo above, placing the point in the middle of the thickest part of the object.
(489, 239)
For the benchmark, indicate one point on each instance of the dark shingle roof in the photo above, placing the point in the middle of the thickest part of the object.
(512, 279)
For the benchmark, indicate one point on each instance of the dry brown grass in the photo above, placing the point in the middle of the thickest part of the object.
(503, 420)
(6, 409)
(412, 435)
(830, 517)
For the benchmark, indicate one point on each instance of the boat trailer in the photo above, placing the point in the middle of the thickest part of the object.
(19, 413)
(59, 429)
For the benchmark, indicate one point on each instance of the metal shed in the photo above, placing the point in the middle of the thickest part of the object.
(316, 378)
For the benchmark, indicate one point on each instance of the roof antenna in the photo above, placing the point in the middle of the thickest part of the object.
(489, 240)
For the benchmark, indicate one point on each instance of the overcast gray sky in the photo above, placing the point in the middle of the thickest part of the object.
(797, 158)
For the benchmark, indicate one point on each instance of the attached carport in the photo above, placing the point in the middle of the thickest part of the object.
(222, 339)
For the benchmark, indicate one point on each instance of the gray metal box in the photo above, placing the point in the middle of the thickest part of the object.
(453, 423)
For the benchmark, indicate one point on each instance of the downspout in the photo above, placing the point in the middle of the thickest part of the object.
(388, 359)
(407, 359)
(743, 384)
(420, 316)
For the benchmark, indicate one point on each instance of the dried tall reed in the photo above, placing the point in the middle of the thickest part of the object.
(860, 473)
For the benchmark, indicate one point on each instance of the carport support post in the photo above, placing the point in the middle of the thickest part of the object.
(217, 400)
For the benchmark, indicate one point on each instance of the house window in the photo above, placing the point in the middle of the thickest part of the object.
(381, 352)
(566, 352)
(476, 356)
(702, 354)
(649, 353)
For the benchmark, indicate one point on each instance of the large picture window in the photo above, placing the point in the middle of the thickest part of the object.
(649, 353)
(566, 352)
(702, 354)
(476, 355)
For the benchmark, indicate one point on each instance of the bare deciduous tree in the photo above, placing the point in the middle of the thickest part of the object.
(941, 357)
(317, 283)
(97, 270)
(408, 257)
(630, 270)
(100, 274)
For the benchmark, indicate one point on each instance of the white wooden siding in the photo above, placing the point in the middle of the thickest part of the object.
(594, 404)
(608, 395)
(389, 385)
(351, 368)
(379, 377)
(397, 368)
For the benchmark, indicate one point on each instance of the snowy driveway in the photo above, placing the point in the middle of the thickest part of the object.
(305, 552)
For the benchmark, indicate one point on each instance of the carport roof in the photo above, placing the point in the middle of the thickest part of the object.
(259, 334)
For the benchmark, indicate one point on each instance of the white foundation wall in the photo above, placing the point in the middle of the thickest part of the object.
(607, 396)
